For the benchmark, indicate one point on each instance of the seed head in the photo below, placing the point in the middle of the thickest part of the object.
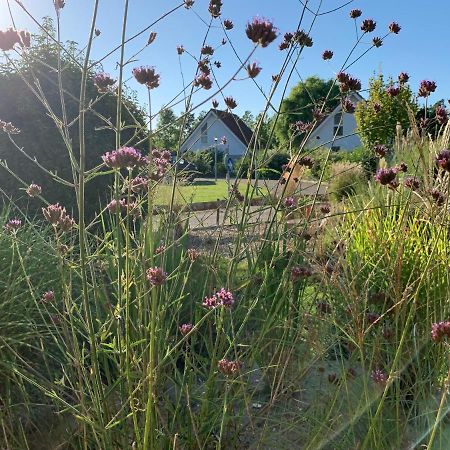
(368, 25)
(151, 38)
(156, 276)
(228, 24)
(12, 226)
(355, 13)
(261, 31)
(394, 27)
(147, 76)
(103, 82)
(253, 70)
(230, 102)
(33, 190)
(327, 54)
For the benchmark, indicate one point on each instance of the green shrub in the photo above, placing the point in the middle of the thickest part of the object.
(346, 179)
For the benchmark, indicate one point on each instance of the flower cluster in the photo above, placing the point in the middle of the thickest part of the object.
(48, 296)
(8, 127)
(379, 377)
(300, 273)
(138, 184)
(207, 50)
(380, 150)
(441, 115)
(377, 42)
(146, 75)
(440, 330)
(348, 106)
(228, 24)
(203, 80)
(230, 102)
(215, 8)
(180, 49)
(426, 88)
(348, 83)
(394, 27)
(302, 38)
(220, 298)
(443, 159)
(57, 216)
(261, 31)
(386, 176)
(161, 163)
(393, 91)
(302, 127)
(403, 77)
(325, 209)
(103, 82)
(33, 190)
(228, 367)
(185, 328)
(438, 197)
(156, 276)
(305, 161)
(368, 25)
(290, 202)
(355, 13)
(125, 157)
(12, 226)
(11, 37)
(411, 183)
(253, 70)
(327, 54)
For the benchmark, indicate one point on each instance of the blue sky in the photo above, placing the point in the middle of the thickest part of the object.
(421, 48)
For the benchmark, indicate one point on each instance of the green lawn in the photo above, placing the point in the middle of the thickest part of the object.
(199, 191)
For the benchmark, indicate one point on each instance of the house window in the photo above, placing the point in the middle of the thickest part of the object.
(338, 129)
(204, 133)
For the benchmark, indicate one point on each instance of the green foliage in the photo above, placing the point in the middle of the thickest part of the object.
(204, 160)
(346, 180)
(380, 127)
(301, 101)
(271, 168)
(42, 139)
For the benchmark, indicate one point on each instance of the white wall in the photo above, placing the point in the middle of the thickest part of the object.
(215, 128)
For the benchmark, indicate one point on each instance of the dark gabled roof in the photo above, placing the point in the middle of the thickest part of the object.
(236, 125)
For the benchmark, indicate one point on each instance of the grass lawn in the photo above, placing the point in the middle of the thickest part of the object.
(199, 191)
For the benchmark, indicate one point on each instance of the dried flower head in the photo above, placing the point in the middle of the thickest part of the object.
(180, 49)
(229, 368)
(379, 377)
(156, 276)
(385, 176)
(325, 209)
(403, 77)
(305, 161)
(412, 183)
(48, 296)
(380, 150)
(230, 102)
(426, 88)
(438, 197)
(402, 167)
(392, 91)
(203, 66)
(103, 82)
(215, 8)
(218, 64)
(261, 31)
(151, 38)
(203, 80)
(215, 103)
(160, 250)
(228, 24)
(368, 25)
(253, 70)
(125, 157)
(355, 13)
(394, 27)
(377, 42)
(348, 106)
(327, 54)
(441, 115)
(443, 159)
(12, 226)
(440, 330)
(33, 190)
(185, 328)
(207, 50)
(146, 75)
(303, 38)
(66, 223)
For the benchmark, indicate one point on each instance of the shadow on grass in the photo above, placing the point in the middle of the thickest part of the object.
(203, 183)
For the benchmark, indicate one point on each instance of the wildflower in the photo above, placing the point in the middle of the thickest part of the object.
(377, 42)
(228, 24)
(403, 78)
(323, 308)
(441, 115)
(185, 328)
(188, 3)
(193, 254)
(379, 377)
(368, 25)
(97, 32)
(402, 167)
(59, 4)
(412, 183)
(203, 66)
(261, 31)
(220, 298)
(215, 103)
(223, 140)
(289, 202)
(426, 88)
(151, 38)
(440, 330)
(275, 78)
(303, 39)
(372, 317)
(376, 107)
(325, 209)
(103, 82)
(305, 161)
(318, 115)
(146, 75)
(33, 190)
(253, 70)
(115, 206)
(54, 213)
(394, 27)
(385, 176)
(12, 226)
(207, 50)
(8, 127)
(302, 127)
(180, 49)
(218, 64)
(300, 273)
(66, 223)
(8, 39)
(214, 8)
(138, 184)
(283, 45)
(393, 91)
(156, 276)
(48, 296)
(327, 54)
(125, 157)
(438, 197)
(230, 102)
(347, 83)
(380, 150)
(355, 13)
(203, 81)
(161, 249)
(443, 159)
(348, 106)
(229, 368)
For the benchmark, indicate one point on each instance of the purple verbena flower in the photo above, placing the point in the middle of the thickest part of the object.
(261, 31)
(228, 367)
(385, 176)
(327, 54)
(440, 330)
(12, 226)
(355, 13)
(253, 70)
(368, 25)
(403, 78)
(185, 328)
(103, 82)
(394, 27)
(125, 157)
(379, 377)
(147, 76)
(380, 150)
(156, 276)
(426, 88)
(33, 190)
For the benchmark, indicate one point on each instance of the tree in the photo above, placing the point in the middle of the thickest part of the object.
(39, 135)
(301, 101)
(249, 119)
(167, 134)
(377, 117)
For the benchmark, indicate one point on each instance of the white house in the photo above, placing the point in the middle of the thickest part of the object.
(339, 124)
(216, 125)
